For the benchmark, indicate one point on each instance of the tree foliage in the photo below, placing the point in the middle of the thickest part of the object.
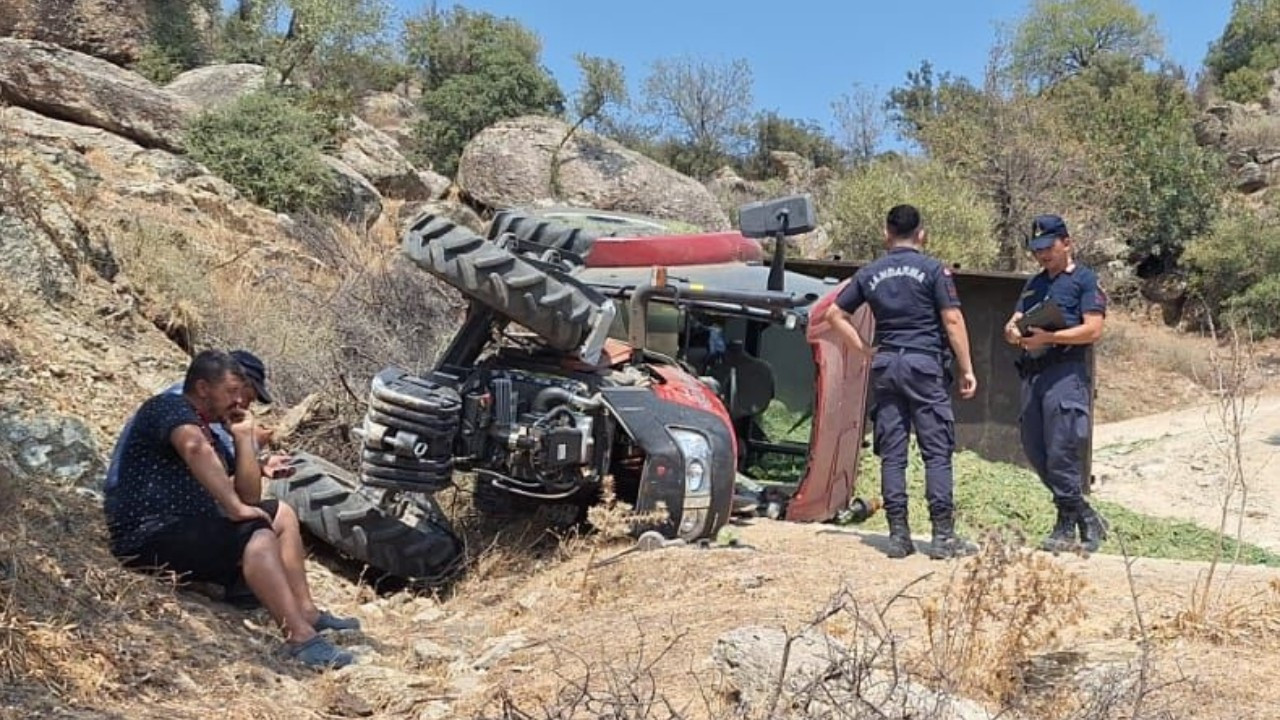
(958, 219)
(862, 121)
(703, 105)
(772, 132)
(476, 69)
(269, 148)
(1159, 186)
(1060, 39)
(1235, 268)
(290, 35)
(1240, 61)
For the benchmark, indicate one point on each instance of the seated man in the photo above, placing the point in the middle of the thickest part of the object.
(174, 506)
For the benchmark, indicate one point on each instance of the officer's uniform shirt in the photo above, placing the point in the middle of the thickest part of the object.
(906, 290)
(1076, 292)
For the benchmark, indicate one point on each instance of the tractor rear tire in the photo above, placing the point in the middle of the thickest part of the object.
(558, 312)
(543, 232)
(331, 506)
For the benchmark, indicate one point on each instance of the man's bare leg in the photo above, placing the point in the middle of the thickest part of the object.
(293, 557)
(265, 574)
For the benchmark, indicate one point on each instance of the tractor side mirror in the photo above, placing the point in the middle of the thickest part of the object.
(791, 215)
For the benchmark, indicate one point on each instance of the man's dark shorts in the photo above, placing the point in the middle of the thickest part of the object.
(202, 549)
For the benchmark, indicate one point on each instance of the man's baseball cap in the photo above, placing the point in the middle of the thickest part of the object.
(255, 371)
(1044, 230)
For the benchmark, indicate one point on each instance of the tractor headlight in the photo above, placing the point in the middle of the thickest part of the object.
(697, 459)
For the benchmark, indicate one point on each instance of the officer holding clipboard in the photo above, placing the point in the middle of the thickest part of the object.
(1058, 316)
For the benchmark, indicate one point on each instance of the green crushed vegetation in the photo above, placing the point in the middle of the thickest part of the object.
(992, 495)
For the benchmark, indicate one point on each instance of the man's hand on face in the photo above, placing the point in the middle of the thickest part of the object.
(240, 421)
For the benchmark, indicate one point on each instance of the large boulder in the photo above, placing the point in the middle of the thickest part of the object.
(392, 114)
(213, 86)
(375, 155)
(45, 242)
(72, 86)
(114, 30)
(510, 164)
(356, 200)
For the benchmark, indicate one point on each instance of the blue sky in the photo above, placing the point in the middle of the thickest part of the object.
(806, 53)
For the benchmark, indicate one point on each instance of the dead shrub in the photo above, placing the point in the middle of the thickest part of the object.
(997, 608)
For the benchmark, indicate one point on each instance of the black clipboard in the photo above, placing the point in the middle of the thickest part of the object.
(1045, 315)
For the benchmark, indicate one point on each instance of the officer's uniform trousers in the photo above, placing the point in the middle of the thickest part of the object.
(1054, 422)
(912, 388)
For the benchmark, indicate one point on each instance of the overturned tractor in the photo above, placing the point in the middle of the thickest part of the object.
(597, 349)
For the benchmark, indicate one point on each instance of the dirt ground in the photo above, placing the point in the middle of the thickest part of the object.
(531, 634)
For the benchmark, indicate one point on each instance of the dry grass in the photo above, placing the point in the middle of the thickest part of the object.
(997, 609)
(76, 631)
(1257, 133)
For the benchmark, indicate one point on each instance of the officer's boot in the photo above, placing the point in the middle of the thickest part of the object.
(1064, 532)
(945, 543)
(1093, 529)
(900, 544)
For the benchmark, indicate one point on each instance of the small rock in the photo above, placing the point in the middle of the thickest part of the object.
(429, 652)
(436, 710)
(751, 582)
(429, 615)
(499, 649)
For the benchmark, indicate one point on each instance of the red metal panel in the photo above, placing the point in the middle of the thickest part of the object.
(673, 250)
(840, 399)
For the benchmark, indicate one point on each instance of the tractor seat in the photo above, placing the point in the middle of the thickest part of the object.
(746, 382)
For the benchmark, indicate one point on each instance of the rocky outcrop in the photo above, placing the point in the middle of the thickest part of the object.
(373, 154)
(213, 86)
(52, 446)
(510, 163)
(822, 677)
(114, 30)
(68, 85)
(356, 200)
(393, 114)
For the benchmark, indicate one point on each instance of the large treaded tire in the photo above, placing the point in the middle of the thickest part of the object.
(558, 312)
(543, 232)
(329, 504)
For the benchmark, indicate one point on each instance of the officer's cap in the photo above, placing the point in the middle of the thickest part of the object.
(1044, 230)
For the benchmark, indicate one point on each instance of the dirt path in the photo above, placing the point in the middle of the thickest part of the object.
(1172, 465)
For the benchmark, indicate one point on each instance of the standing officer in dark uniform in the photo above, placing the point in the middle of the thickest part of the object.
(1055, 382)
(913, 300)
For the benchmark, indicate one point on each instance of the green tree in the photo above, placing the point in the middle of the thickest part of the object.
(704, 107)
(289, 35)
(268, 147)
(923, 99)
(603, 84)
(1240, 61)
(1013, 147)
(1235, 268)
(174, 43)
(476, 69)
(1160, 188)
(770, 132)
(957, 217)
(1059, 39)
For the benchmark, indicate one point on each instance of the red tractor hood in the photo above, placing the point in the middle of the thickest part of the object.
(672, 250)
(839, 415)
